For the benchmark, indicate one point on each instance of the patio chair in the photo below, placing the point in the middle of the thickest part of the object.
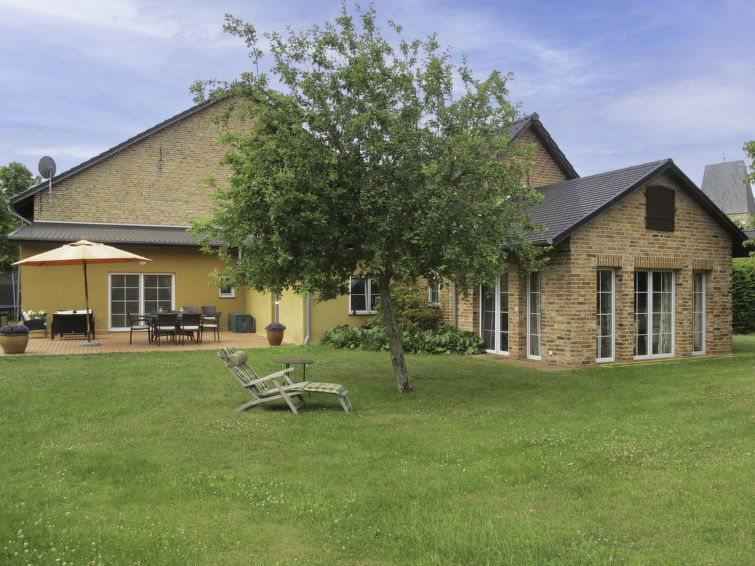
(282, 386)
(39, 323)
(138, 323)
(212, 322)
(189, 309)
(165, 325)
(188, 324)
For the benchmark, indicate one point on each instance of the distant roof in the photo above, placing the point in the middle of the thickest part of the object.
(569, 205)
(23, 202)
(533, 122)
(725, 184)
(42, 232)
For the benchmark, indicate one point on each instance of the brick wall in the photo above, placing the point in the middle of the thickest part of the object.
(158, 180)
(544, 170)
(618, 239)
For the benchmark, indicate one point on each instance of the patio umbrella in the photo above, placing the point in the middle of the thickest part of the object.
(82, 252)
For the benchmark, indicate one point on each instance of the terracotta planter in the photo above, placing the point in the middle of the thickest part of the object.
(274, 337)
(14, 343)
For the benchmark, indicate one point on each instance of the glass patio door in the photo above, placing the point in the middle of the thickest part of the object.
(494, 322)
(653, 314)
(138, 293)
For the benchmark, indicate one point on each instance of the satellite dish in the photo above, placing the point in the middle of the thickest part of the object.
(47, 167)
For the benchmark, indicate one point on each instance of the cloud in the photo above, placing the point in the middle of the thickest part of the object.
(124, 15)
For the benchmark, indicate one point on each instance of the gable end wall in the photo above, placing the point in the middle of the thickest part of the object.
(544, 170)
(158, 180)
(618, 239)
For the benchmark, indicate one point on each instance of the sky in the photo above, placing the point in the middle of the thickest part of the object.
(616, 83)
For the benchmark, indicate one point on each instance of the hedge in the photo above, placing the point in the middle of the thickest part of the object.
(743, 299)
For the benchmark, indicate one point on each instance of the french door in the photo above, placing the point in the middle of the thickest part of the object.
(494, 322)
(139, 293)
(653, 314)
(533, 316)
(605, 316)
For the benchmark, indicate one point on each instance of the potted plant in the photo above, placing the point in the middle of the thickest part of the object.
(14, 338)
(275, 333)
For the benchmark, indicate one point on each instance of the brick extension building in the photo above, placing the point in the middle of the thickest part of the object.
(640, 266)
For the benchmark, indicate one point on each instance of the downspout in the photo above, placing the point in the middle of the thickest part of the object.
(17, 298)
(454, 315)
(17, 215)
(309, 319)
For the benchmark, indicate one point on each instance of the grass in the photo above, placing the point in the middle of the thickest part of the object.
(140, 459)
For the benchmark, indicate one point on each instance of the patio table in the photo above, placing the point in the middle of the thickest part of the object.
(296, 361)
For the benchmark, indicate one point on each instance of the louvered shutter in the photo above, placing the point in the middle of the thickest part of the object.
(660, 209)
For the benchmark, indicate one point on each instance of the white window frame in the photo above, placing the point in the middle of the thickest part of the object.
(141, 295)
(497, 330)
(367, 296)
(703, 303)
(650, 314)
(231, 294)
(433, 295)
(612, 314)
(539, 355)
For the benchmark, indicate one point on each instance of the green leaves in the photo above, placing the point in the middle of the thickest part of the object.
(368, 159)
(14, 179)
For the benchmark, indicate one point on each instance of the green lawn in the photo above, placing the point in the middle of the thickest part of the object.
(140, 459)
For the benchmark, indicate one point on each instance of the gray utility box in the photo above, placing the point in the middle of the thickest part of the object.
(240, 322)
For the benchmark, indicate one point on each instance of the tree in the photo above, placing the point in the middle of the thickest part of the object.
(365, 162)
(749, 149)
(14, 179)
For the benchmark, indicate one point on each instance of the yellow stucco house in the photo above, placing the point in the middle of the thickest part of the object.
(140, 196)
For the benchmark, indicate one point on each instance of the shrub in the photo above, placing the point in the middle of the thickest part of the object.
(413, 314)
(447, 340)
(743, 296)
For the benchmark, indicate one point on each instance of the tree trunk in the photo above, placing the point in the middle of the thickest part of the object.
(394, 337)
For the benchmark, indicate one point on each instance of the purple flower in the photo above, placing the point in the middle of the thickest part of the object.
(14, 329)
(275, 326)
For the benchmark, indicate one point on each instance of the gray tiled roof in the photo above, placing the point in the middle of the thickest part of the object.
(60, 232)
(725, 184)
(571, 204)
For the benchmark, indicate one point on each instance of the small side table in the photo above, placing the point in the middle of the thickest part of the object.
(295, 361)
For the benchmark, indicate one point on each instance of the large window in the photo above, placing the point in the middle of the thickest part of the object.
(494, 322)
(698, 312)
(605, 315)
(139, 293)
(364, 296)
(533, 315)
(653, 314)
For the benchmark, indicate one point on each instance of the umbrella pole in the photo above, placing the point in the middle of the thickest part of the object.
(86, 314)
(86, 300)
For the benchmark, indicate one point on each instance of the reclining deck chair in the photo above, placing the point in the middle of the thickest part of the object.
(282, 386)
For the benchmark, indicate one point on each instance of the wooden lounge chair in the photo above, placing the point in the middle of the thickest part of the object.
(277, 385)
